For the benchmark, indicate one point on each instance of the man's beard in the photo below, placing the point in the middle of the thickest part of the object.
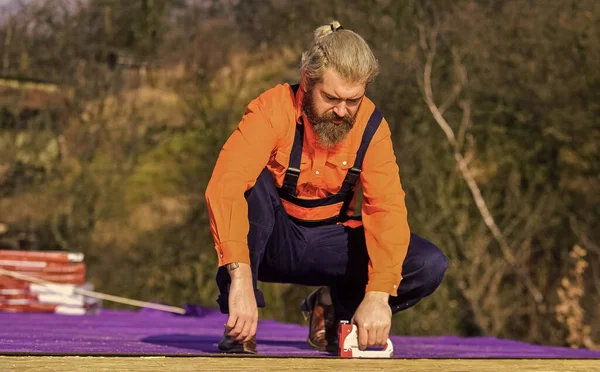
(328, 133)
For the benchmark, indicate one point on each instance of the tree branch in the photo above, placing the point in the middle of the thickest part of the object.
(462, 164)
(466, 119)
(461, 77)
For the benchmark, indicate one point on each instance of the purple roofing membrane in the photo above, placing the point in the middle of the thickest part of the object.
(150, 332)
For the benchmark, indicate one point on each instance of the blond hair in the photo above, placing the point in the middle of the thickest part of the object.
(342, 50)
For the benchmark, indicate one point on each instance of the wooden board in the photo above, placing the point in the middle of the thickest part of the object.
(184, 364)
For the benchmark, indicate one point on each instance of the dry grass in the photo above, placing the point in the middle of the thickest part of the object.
(569, 311)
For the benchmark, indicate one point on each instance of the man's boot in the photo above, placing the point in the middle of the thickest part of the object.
(322, 325)
(230, 345)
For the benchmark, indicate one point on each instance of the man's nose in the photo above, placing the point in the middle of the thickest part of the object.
(340, 109)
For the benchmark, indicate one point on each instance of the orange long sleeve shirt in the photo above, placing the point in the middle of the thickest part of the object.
(264, 138)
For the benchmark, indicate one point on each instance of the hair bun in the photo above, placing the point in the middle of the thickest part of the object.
(335, 25)
(325, 30)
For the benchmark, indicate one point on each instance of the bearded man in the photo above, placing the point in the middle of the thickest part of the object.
(282, 203)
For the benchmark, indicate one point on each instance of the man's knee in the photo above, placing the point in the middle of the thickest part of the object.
(436, 266)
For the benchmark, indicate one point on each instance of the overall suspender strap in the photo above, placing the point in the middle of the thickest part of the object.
(354, 173)
(370, 130)
(290, 181)
(289, 187)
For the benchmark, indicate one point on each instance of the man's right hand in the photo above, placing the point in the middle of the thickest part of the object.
(243, 312)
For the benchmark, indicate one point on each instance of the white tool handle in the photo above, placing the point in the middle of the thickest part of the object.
(351, 342)
(387, 352)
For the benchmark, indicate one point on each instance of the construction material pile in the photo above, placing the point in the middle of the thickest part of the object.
(36, 281)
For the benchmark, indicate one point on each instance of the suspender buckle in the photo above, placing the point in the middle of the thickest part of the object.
(353, 175)
(291, 176)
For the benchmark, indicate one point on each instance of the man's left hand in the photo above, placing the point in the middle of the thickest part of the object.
(373, 319)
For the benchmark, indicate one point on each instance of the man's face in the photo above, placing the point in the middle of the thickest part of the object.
(331, 107)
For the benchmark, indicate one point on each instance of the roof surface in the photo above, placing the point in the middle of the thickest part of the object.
(149, 332)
